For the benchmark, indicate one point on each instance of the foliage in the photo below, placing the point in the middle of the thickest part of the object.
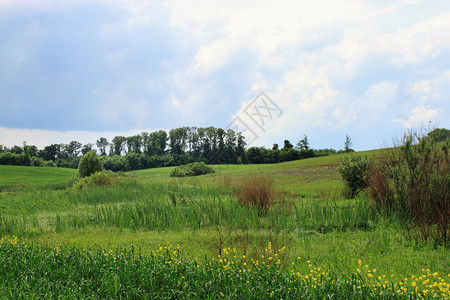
(8, 158)
(303, 144)
(413, 182)
(35, 271)
(439, 134)
(348, 144)
(96, 179)
(89, 164)
(355, 174)
(192, 169)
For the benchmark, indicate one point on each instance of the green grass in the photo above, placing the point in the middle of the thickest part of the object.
(32, 271)
(13, 178)
(300, 177)
(148, 209)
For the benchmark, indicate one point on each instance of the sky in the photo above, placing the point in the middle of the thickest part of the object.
(276, 70)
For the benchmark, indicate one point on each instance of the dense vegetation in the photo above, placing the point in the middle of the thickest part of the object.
(158, 149)
(247, 231)
(192, 169)
(32, 271)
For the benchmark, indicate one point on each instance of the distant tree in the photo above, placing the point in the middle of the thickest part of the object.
(255, 155)
(16, 149)
(303, 143)
(73, 148)
(50, 152)
(230, 145)
(118, 144)
(134, 143)
(287, 145)
(102, 144)
(177, 140)
(273, 156)
(145, 141)
(275, 147)
(240, 147)
(348, 144)
(86, 148)
(30, 150)
(288, 154)
(157, 143)
(89, 164)
(133, 161)
(439, 134)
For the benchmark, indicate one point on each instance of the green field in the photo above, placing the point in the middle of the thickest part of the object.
(111, 236)
(22, 177)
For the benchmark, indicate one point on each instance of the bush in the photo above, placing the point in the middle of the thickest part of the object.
(96, 179)
(192, 169)
(413, 182)
(49, 163)
(355, 173)
(37, 161)
(258, 191)
(89, 164)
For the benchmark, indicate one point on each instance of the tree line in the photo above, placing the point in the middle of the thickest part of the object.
(161, 149)
(146, 150)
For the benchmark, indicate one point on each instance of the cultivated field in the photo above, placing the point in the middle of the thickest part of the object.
(150, 235)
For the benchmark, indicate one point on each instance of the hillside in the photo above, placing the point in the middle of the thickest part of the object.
(305, 176)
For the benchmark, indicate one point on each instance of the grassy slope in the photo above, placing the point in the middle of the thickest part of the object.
(40, 177)
(293, 176)
(301, 177)
(22, 174)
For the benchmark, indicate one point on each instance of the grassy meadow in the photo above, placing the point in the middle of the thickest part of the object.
(149, 235)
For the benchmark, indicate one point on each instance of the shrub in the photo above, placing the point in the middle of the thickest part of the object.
(256, 190)
(413, 182)
(49, 163)
(96, 179)
(37, 161)
(355, 173)
(89, 164)
(192, 169)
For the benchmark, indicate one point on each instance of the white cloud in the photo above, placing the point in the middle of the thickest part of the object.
(418, 116)
(328, 64)
(380, 96)
(41, 138)
(432, 89)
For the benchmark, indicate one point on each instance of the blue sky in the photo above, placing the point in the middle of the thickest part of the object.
(79, 70)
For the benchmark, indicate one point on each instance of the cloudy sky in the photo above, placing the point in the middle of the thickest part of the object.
(79, 69)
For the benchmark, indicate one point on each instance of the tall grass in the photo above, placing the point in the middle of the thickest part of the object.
(35, 271)
(258, 191)
(136, 206)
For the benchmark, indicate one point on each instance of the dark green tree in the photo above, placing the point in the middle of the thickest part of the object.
(287, 145)
(118, 144)
(89, 164)
(102, 144)
(86, 148)
(303, 144)
(73, 148)
(355, 174)
(439, 134)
